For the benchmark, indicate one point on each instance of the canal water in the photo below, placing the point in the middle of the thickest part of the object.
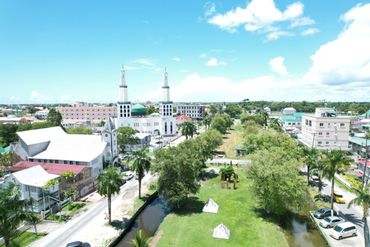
(298, 228)
(148, 221)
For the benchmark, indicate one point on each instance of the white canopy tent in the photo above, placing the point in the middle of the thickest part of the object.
(221, 231)
(210, 207)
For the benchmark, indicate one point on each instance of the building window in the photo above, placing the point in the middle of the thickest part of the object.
(327, 133)
(319, 143)
(342, 125)
(321, 124)
(320, 133)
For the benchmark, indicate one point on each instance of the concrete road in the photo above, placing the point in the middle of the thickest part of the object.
(352, 214)
(76, 229)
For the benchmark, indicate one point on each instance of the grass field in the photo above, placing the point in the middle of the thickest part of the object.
(232, 139)
(237, 210)
(25, 239)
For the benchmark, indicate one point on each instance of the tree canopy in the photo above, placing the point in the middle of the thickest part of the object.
(82, 130)
(54, 117)
(126, 136)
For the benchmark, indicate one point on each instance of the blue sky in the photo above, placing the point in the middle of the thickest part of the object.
(65, 51)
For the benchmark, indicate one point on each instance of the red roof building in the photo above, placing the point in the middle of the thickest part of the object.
(57, 169)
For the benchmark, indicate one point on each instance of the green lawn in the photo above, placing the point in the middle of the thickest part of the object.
(231, 140)
(26, 239)
(237, 210)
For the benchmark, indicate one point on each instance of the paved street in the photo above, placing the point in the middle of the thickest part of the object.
(353, 214)
(90, 225)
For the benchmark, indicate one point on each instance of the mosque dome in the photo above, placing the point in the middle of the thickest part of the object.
(138, 110)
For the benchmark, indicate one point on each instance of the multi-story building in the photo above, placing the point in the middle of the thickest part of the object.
(87, 112)
(53, 145)
(325, 130)
(195, 111)
(42, 114)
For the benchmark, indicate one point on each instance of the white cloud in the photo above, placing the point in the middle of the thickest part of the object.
(212, 62)
(35, 95)
(203, 55)
(257, 15)
(277, 65)
(197, 88)
(346, 59)
(274, 35)
(144, 63)
(310, 31)
(176, 59)
(303, 21)
(210, 9)
(65, 98)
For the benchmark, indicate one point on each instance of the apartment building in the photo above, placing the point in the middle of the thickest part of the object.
(325, 130)
(87, 112)
(194, 111)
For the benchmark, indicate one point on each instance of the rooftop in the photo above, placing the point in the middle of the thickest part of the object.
(35, 176)
(41, 135)
(57, 169)
(358, 140)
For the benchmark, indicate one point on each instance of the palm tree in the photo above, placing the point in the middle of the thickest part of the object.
(140, 165)
(363, 200)
(109, 183)
(318, 168)
(207, 121)
(336, 161)
(188, 129)
(140, 240)
(13, 212)
(311, 158)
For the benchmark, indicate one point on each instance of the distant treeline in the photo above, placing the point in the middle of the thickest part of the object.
(305, 106)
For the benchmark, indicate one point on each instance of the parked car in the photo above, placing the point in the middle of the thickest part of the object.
(331, 221)
(128, 175)
(338, 198)
(78, 244)
(343, 230)
(324, 212)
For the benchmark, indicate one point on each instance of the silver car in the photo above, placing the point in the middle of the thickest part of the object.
(331, 221)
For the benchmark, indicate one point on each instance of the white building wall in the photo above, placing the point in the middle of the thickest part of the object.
(326, 133)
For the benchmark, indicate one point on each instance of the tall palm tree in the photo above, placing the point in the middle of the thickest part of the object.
(13, 212)
(188, 129)
(311, 158)
(336, 162)
(140, 240)
(318, 168)
(363, 200)
(109, 183)
(140, 165)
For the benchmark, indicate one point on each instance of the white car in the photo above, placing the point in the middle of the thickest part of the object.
(128, 175)
(331, 221)
(343, 230)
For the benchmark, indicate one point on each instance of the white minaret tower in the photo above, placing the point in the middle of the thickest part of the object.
(123, 105)
(166, 109)
(166, 88)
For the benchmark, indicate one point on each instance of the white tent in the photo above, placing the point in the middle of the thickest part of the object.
(221, 231)
(210, 207)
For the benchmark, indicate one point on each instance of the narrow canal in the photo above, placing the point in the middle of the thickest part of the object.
(299, 229)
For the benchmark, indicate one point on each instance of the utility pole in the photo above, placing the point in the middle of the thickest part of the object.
(364, 180)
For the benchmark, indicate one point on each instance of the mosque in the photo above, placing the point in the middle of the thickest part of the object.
(135, 116)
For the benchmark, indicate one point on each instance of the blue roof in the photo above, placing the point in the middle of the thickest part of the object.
(298, 114)
(4, 150)
(359, 140)
(290, 119)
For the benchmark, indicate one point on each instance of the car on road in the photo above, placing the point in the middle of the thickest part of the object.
(324, 212)
(78, 244)
(338, 197)
(129, 176)
(343, 230)
(331, 221)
